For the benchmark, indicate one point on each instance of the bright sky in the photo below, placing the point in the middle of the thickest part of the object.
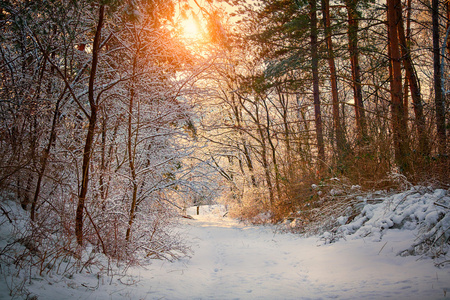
(191, 25)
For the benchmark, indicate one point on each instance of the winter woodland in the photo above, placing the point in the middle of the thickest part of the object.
(217, 149)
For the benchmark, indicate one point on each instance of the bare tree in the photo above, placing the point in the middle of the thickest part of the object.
(94, 105)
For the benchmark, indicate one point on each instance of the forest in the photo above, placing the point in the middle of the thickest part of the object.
(118, 115)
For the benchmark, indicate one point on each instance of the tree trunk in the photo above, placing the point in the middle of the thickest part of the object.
(273, 150)
(284, 113)
(399, 124)
(413, 85)
(356, 76)
(44, 158)
(315, 74)
(103, 159)
(305, 150)
(91, 130)
(51, 140)
(248, 160)
(132, 152)
(341, 143)
(438, 95)
(265, 164)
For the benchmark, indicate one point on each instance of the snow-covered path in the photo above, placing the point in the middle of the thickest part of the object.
(234, 261)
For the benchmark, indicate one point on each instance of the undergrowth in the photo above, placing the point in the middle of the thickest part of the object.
(46, 249)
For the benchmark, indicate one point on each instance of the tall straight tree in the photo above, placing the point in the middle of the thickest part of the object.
(341, 143)
(352, 32)
(438, 95)
(315, 75)
(399, 120)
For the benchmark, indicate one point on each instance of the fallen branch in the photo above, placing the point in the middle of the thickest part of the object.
(441, 205)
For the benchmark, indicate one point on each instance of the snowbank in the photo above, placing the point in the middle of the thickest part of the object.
(424, 211)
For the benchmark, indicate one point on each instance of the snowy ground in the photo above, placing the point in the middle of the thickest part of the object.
(234, 261)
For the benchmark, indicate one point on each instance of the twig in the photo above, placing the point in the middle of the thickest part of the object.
(441, 264)
(97, 232)
(6, 214)
(382, 248)
(441, 205)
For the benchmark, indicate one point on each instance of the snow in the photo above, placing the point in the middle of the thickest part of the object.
(419, 208)
(233, 260)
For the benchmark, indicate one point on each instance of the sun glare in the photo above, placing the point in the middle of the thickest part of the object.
(191, 29)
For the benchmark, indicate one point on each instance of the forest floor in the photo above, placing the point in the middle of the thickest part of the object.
(234, 261)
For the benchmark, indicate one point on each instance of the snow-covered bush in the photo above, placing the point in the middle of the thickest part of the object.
(422, 209)
(46, 248)
(344, 210)
(96, 151)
